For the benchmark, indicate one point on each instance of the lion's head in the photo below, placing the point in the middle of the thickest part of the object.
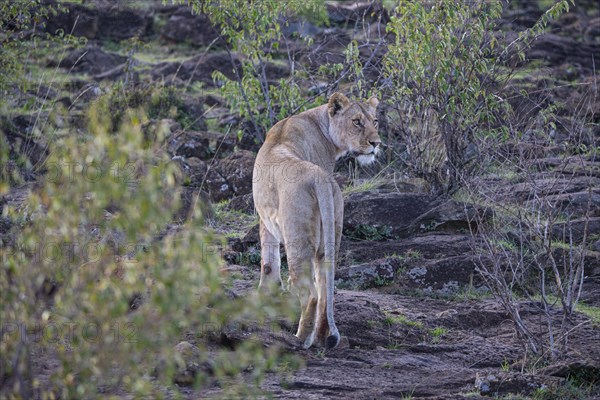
(353, 126)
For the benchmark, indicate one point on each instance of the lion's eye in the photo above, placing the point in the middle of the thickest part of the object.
(357, 122)
(375, 123)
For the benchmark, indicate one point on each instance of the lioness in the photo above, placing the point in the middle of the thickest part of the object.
(301, 205)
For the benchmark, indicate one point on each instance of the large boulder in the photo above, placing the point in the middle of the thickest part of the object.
(575, 230)
(570, 205)
(203, 176)
(184, 26)
(91, 60)
(375, 273)
(237, 169)
(442, 276)
(224, 179)
(445, 276)
(431, 246)
(76, 19)
(450, 216)
(359, 12)
(545, 186)
(123, 23)
(243, 203)
(201, 68)
(328, 48)
(190, 362)
(392, 213)
(102, 22)
(198, 68)
(556, 50)
(189, 144)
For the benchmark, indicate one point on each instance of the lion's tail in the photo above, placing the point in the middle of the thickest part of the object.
(325, 199)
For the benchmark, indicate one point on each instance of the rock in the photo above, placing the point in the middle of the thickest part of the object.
(91, 60)
(5, 224)
(195, 29)
(201, 176)
(392, 212)
(574, 230)
(571, 205)
(114, 73)
(105, 21)
(194, 169)
(557, 50)
(571, 258)
(189, 144)
(355, 317)
(123, 23)
(237, 169)
(190, 363)
(250, 239)
(527, 151)
(570, 166)
(432, 246)
(581, 369)
(451, 216)
(243, 203)
(592, 32)
(251, 139)
(498, 383)
(298, 28)
(198, 69)
(22, 135)
(372, 274)
(77, 20)
(193, 200)
(328, 48)
(547, 186)
(356, 12)
(443, 277)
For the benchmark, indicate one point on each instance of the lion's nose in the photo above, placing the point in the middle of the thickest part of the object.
(374, 143)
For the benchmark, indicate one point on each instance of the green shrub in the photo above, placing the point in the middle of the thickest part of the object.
(443, 77)
(95, 281)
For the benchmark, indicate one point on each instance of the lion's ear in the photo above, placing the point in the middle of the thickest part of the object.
(373, 102)
(337, 102)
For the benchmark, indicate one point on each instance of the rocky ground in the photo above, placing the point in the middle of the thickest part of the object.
(417, 318)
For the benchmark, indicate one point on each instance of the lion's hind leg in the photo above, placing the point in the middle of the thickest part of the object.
(303, 285)
(270, 260)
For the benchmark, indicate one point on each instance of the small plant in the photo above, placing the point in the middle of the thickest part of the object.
(230, 222)
(391, 319)
(394, 345)
(505, 366)
(437, 333)
(409, 395)
(369, 232)
(248, 258)
(381, 281)
(413, 254)
(167, 102)
(567, 391)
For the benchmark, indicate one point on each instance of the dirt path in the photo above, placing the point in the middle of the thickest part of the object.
(408, 347)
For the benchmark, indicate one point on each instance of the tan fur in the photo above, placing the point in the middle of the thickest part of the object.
(301, 205)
